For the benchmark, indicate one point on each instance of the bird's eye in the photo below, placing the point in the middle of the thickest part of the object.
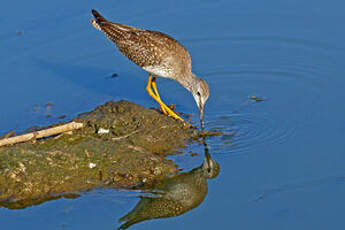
(198, 93)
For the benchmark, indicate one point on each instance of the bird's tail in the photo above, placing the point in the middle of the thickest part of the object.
(112, 30)
(99, 20)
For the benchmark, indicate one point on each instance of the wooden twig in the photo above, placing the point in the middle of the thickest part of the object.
(127, 135)
(41, 133)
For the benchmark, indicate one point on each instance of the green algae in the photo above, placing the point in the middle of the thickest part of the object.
(121, 144)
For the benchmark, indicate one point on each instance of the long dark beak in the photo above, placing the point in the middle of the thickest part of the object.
(201, 109)
(208, 158)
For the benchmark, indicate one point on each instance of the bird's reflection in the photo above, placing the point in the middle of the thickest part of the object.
(176, 195)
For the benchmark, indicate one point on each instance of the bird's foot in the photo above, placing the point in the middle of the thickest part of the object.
(164, 111)
(169, 112)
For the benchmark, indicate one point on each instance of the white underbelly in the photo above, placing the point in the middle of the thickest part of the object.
(161, 71)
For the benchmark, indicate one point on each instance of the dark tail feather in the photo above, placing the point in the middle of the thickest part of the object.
(99, 18)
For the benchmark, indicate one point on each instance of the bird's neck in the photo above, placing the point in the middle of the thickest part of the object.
(189, 81)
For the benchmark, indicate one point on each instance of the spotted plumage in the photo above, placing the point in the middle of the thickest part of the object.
(155, 52)
(175, 195)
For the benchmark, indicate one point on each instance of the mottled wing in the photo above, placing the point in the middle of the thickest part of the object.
(145, 48)
(141, 48)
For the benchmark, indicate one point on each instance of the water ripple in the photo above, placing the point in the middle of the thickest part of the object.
(245, 132)
(290, 84)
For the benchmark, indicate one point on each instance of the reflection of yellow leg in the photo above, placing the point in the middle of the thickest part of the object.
(154, 96)
(154, 86)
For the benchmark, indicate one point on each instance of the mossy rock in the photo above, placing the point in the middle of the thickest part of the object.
(121, 144)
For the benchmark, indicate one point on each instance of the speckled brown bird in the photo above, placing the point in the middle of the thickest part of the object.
(174, 196)
(160, 55)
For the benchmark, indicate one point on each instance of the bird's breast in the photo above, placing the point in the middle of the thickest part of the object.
(160, 70)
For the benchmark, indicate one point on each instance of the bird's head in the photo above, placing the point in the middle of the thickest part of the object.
(201, 93)
(210, 167)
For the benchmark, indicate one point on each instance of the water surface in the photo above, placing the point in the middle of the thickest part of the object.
(282, 160)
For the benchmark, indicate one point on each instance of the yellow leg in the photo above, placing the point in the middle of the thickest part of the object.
(154, 86)
(154, 96)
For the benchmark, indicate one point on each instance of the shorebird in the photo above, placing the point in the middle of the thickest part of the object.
(174, 196)
(160, 55)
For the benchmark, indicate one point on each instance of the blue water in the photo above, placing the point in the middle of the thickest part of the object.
(283, 168)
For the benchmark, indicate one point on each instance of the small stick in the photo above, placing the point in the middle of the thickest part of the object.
(42, 133)
(125, 136)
